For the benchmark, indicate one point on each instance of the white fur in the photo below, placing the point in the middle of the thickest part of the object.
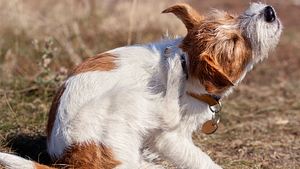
(11, 161)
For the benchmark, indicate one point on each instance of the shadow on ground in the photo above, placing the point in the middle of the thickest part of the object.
(29, 147)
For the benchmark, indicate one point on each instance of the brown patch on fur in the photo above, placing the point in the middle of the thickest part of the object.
(217, 55)
(53, 110)
(101, 62)
(88, 156)
(40, 166)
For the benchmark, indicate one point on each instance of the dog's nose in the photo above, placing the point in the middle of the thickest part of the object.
(269, 14)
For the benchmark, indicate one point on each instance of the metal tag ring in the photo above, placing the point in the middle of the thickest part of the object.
(216, 108)
(216, 118)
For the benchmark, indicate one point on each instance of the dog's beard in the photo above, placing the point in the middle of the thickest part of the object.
(262, 35)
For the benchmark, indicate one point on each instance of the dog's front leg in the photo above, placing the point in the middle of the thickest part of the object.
(180, 149)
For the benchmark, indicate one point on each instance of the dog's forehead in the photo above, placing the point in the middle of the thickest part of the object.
(255, 8)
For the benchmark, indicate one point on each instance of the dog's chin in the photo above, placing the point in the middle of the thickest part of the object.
(279, 29)
(261, 28)
(269, 38)
(263, 38)
(274, 29)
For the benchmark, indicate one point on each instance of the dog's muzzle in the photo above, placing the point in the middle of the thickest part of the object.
(269, 14)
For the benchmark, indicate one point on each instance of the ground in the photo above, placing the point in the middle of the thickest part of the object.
(260, 121)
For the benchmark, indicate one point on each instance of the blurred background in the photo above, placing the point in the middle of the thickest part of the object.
(40, 41)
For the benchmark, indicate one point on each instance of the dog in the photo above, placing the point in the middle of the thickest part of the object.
(154, 96)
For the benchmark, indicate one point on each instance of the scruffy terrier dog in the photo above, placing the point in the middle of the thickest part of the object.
(117, 103)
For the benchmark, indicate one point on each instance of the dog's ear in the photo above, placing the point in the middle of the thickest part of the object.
(189, 16)
(211, 75)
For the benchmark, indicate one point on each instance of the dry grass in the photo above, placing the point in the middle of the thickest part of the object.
(41, 40)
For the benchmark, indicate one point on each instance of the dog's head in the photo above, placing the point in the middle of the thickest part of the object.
(222, 47)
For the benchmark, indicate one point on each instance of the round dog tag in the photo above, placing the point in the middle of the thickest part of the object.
(209, 127)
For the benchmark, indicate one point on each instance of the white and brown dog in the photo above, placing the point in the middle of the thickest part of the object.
(155, 95)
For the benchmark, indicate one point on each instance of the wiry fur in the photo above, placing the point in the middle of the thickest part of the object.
(262, 36)
(138, 99)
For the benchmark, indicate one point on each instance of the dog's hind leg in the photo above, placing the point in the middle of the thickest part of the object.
(174, 87)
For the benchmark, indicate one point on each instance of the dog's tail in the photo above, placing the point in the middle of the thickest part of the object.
(10, 161)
